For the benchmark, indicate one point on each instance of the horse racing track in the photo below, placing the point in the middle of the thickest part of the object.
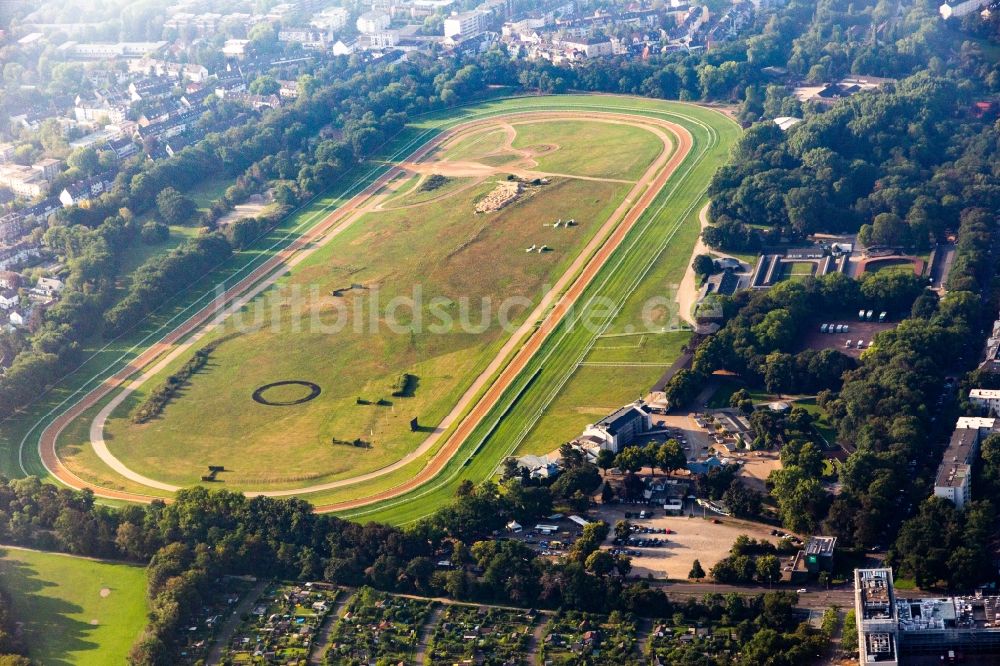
(430, 313)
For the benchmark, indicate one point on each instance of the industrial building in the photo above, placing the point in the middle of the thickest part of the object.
(815, 556)
(891, 629)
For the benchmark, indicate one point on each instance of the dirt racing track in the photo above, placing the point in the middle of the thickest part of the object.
(486, 389)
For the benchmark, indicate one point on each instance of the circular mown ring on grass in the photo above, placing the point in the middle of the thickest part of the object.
(314, 391)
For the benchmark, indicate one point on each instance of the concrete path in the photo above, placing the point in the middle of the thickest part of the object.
(535, 644)
(317, 651)
(232, 623)
(426, 632)
(687, 292)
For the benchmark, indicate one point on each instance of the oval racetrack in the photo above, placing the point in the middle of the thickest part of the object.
(484, 395)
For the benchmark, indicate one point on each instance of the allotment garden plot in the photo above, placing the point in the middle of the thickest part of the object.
(354, 356)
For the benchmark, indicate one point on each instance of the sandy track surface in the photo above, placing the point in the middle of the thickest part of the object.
(687, 292)
(586, 265)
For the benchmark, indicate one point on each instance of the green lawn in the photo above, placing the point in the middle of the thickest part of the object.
(138, 253)
(475, 146)
(606, 380)
(74, 610)
(798, 270)
(589, 148)
(418, 195)
(822, 424)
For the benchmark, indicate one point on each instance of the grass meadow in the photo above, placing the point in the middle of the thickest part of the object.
(75, 610)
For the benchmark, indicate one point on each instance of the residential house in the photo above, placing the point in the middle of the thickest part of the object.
(12, 226)
(49, 168)
(590, 47)
(371, 22)
(988, 399)
(464, 25)
(82, 192)
(22, 181)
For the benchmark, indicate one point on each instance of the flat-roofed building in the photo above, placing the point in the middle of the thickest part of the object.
(22, 180)
(372, 22)
(959, 9)
(110, 50)
(332, 19)
(465, 25)
(986, 398)
(875, 614)
(953, 480)
(893, 630)
(620, 428)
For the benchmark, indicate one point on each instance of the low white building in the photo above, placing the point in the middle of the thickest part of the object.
(959, 9)
(235, 48)
(986, 398)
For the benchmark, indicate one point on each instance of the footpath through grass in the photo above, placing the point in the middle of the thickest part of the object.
(74, 610)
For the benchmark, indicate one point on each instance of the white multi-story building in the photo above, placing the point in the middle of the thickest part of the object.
(109, 50)
(383, 39)
(954, 475)
(465, 25)
(986, 399)
(175, 70)
(332, 19)
(959, 9)
(372, 22)
(22, 181)
(235, 48)
(617, 430)
(590, 47)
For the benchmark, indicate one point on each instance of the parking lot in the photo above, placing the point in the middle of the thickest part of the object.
(856, 330)
(690, 537)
